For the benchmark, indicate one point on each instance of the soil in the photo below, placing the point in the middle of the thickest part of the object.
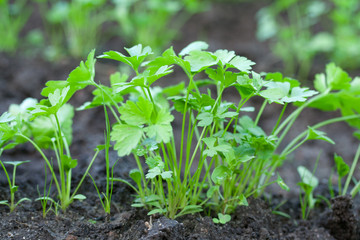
(230, 26)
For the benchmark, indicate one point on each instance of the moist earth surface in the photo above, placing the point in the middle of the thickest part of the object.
(229, 26)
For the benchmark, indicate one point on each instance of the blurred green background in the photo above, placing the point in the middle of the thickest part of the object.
(301, 35)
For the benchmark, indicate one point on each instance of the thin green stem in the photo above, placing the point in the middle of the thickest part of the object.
(45, 158)
(98, 192)
(241, 103)
(279, 119)
(183, 130)
(206, 176)
(7, 175)
(13, 192)
(261, 110)
(353, 166)
(64, 196)
(168, 164)
(200, 139)
(274, 165)
(292, 117)
(108, 95)
(316, 126)
(107, 148)
(84, 175)
(114, 114)
(141, 190)
(287, 150)
(151, 98)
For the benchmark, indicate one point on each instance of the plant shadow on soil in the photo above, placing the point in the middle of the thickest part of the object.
(86, 220)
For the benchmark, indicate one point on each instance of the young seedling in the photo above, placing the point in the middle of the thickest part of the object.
(48, 124)
(344, 170)
(233, 157)
(12, 185)
(307, 185)
(222, 218)
(105, 198)
(45, 199)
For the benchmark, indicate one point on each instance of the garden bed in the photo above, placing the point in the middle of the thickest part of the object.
(85, 219)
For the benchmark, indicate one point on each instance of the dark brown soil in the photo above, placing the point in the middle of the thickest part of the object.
(229, 26)
(85, 220)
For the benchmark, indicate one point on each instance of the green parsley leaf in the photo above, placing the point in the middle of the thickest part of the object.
(299, 95)
(42, 127)
(205, 118)
(166, 174)
(243, 201)
(220, 174)
(150, 75)
(194, 46)
(212, 190)
(137, 55)
(281, 92)
(153, 172)
(224, 55)
(169, 57)
(335, 79)
(84, 74)
(275, 91)
(153, 161)
(138, 113)
(241, 63)
(21, 110)
(68, 162)
(278, 77)
(248, 125)
(213, 150)
(307, 177)
(318, 135)
(200, 60)
(127, 137)
(224, 218)
(281, 183)
(135, 175)
(57, 97)
(341, 167)
(224, 112)
(227, 78)
(6, 133)
(6, 117)
(161, 128)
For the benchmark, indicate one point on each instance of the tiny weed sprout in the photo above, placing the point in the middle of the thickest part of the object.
(12, 186)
